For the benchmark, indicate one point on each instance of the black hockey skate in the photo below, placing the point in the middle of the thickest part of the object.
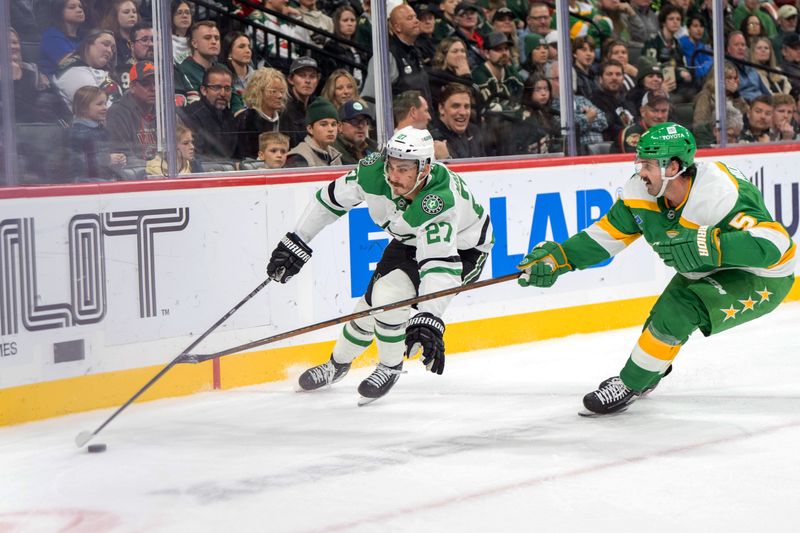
(379, 382)
(647, 390)
(613, 397)
(319, 376)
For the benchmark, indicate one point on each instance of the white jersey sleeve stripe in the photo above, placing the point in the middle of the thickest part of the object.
(777, 238)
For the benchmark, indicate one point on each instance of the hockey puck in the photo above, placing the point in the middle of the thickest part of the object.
(96, 448)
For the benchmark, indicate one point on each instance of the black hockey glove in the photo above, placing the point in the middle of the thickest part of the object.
(288, 258)
(426, 330)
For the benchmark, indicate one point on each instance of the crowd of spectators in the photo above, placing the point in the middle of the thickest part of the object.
(292, 84)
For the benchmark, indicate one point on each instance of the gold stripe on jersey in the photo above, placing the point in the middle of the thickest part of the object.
(642, 204)
(686, 223)
(727, 172)
(788, 256)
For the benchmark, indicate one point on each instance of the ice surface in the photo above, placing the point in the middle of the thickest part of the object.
(494, 444)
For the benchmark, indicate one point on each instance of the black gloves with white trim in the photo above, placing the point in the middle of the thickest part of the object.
(288, 258)
(426, 330)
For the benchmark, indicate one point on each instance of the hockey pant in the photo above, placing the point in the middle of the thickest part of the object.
(712, 304)
(396, 278)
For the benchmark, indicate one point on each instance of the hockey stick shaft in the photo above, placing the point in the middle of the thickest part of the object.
(85, 436)
(347, 318)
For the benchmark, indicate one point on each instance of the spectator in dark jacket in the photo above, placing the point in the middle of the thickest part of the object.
(610, 99)
(211, 118)
(353, 140)
(204, 42)
(303, 80)
(91, 156)
(132, 120)
(462, 138)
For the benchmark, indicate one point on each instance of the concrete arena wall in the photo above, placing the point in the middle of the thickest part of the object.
(103, 285)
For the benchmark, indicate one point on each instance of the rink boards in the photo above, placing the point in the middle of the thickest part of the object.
(101, 286)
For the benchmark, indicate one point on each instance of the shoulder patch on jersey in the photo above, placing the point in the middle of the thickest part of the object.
(371, 158)
(432, 204)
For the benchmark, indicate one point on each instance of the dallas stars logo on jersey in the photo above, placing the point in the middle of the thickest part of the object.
(432, 204)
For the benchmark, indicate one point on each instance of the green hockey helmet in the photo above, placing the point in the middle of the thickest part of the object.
(665, 141)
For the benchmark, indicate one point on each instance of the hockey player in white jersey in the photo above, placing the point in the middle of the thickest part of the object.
(441, 237)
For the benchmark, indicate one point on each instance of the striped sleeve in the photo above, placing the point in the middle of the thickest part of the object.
(765, 245)
(605, 238)
(329, 203)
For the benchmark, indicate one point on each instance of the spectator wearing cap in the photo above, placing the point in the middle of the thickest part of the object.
(466, 17)
(204, 42)
(649, 79)
(790, 59)
(141, 45)
(461, 137)
(503, 21)
(787, 24)
(758, 122)
(705, 101)
(750, 84)
(426, 43)
(536, 55)
(665, 50)
(131, 122)
(610, 99)
(353, 141)
(654, 110)
(501, 88)
(316, 150)
(747, 8)
(211, 119)
(303, 80)
(406, 69)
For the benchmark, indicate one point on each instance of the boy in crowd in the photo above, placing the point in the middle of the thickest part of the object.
(316, 150)
(273, 147)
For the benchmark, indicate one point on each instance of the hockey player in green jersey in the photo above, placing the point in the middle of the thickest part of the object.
(734, 262)
(440, 239)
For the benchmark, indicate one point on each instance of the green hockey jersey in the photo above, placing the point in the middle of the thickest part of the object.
(719, 196)
(443, 218)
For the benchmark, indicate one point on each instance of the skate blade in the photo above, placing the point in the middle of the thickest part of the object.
(363, 400)
(590, 414)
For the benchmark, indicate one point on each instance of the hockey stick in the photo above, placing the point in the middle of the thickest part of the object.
(85, 436)
(199, 358)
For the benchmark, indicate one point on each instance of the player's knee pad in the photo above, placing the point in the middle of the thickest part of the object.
(393, 287)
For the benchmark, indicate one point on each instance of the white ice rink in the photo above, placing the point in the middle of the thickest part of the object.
(494, 444)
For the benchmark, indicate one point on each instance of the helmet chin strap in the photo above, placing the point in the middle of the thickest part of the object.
(665, 180)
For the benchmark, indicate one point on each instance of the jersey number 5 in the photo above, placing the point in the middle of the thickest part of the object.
(742, 221)
(434, 230)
